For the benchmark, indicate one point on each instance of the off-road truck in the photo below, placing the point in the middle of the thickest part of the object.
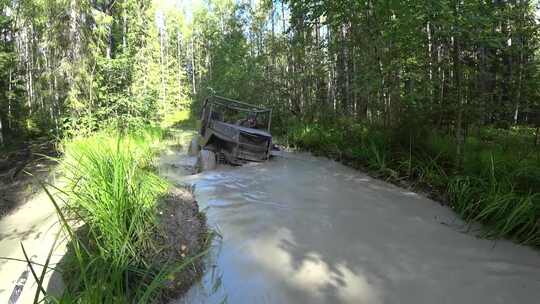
(232, 131)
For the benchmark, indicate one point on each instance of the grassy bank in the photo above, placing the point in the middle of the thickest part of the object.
(116, 247)
(496, 181)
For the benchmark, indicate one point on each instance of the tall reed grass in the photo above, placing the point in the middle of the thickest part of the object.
(110, 219)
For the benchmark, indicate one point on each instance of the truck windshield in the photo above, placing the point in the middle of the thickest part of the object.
(250, 118)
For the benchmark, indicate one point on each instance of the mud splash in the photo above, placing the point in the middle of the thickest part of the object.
(301, 229)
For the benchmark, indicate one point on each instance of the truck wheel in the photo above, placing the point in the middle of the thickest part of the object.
(206, 160)
(194, 147)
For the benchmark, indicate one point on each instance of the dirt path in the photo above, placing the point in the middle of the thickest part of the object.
(16, 186)
(26, 216)
(301, 229)
(35, 225)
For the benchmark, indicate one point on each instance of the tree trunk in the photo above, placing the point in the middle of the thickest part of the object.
(457, 83)
(124, 30)
(162, 64)
(1, 132)
(10, 117)
(272, 71)
(108, 11)
(520, 81)
(342, 81)
(193, 70)
(179, 64)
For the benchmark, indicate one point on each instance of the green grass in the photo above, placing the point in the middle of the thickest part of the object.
(110, 219)
(181, 118)
(113, 193)
(496, 183)
(113, 196)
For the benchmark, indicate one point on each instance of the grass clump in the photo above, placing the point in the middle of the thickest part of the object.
(113, 193)
(112, 200)
(495, 181)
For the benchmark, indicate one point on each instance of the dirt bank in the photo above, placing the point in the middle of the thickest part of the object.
(185, 235)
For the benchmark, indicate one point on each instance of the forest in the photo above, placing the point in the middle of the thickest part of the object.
(442, 96)
(437, 92)
(446, 66)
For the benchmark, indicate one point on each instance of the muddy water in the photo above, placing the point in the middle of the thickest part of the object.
(300, 229)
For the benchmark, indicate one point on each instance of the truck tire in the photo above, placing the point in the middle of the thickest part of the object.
(194, 147)
(206, 160)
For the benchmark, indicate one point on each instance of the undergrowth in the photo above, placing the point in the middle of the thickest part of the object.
(110, 219)
(496, 181)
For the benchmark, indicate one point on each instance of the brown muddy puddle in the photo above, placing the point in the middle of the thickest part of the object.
(301, 229)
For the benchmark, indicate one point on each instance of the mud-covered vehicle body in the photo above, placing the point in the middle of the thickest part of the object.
(235, 131)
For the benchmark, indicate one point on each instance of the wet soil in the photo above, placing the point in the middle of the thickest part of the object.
(185, 235)
(182, 234)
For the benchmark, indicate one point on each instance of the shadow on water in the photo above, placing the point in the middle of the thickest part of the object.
(300, 229)
(269, 253)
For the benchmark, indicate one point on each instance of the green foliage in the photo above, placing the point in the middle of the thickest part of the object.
(441, 92)
(437, 93)
(182, 118)
(111, 199)
(72, 68)
(114, 197)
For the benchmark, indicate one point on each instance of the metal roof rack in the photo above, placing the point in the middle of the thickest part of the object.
(237, 105)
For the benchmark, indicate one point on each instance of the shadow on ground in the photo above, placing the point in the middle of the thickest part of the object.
(18, 170)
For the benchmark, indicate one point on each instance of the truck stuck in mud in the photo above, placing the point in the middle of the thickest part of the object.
(232, 132)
